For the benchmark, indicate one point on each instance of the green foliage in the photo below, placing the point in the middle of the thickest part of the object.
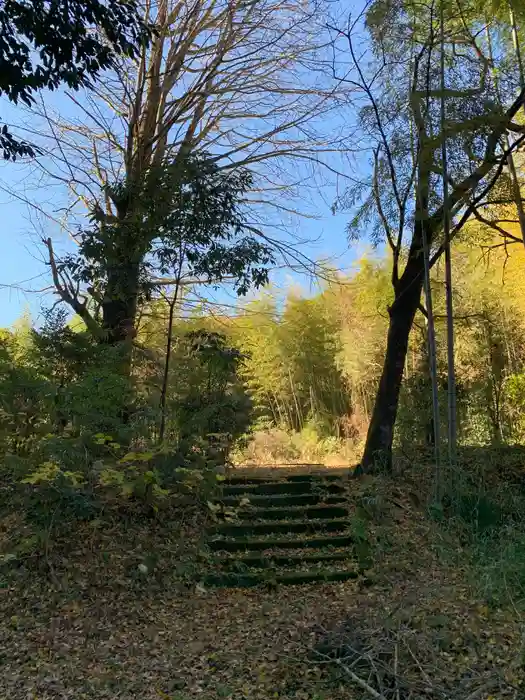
(209, 408)
(45, 45)
(182, 219)
(60, 383)
(58, 390)
(184, 215)
(483, 507)
(130, 479)
(76, 433)
(292, 366)
(50, 472)
(515, 406)
(54, 496)
(499, 565)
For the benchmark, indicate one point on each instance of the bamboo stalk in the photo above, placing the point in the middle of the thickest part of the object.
(451, 373)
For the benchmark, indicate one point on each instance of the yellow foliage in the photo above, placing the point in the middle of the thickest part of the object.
(136, 457)
(46, 472)
(50, 471)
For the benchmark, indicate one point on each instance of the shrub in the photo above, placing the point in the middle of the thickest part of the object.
(278, 446)
(209, 407)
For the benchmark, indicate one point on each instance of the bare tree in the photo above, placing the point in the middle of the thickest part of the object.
(240, 81)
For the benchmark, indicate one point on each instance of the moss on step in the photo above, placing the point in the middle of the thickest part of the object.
(282, 487)
(292, 578)
(274, 560)
(270, 528)
(316, 478)
(248, 544)
(278, 478)
(276, 513)
(283, 514)
(269, 554)
(279, 501)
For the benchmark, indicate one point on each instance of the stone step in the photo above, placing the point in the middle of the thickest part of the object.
(266, 488)
(295, 478)
(240, 564)
(248, 544)
(288, 579)
(316, 478)
(281, 500)
(314, 513)
(280, 527)
(282, 513)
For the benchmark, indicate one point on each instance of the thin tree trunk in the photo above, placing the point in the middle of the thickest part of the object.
(379, 439)
(433, 432)
(283, 418)
(169, 342)
(517, 47)
(510, 348)
(364, 399)
(300, 422)
(451, 370)
(432, 362)
(165, 378)
(276, 410)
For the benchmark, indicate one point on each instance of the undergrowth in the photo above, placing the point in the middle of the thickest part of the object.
(482, 520)
(279, 446)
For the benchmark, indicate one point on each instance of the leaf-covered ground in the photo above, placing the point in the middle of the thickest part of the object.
(83, 621)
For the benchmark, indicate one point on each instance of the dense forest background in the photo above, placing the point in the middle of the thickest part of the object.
(182, 179)
(285, 378)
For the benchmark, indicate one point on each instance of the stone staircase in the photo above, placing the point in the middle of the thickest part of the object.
(281, 530)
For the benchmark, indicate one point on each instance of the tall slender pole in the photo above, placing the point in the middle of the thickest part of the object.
(431, 330)
(432, 362)
(167, 359)
(514, 179)
(516, 41)
(169, 342)
(452, 418)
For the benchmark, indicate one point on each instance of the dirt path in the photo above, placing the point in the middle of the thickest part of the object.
(112, 633)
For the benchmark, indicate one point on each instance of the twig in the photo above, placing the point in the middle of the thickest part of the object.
(423, 673)
(396, 655)
(360, 682)
(481, 689)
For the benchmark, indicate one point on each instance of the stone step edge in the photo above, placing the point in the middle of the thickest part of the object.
(253, 580)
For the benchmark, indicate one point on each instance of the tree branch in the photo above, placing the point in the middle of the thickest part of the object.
(69, 295)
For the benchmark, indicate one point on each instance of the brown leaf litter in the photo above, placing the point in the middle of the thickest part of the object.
(109, 631)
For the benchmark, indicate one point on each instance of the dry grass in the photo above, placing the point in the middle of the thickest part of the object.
(276, 446)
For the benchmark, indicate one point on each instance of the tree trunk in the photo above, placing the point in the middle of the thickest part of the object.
(378, 448)
(119, 307)
(166, 375)
(119, 310)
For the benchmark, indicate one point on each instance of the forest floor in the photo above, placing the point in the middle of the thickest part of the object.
(84, 622)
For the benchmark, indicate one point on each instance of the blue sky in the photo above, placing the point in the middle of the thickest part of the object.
(24, 276)
(25, 279)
